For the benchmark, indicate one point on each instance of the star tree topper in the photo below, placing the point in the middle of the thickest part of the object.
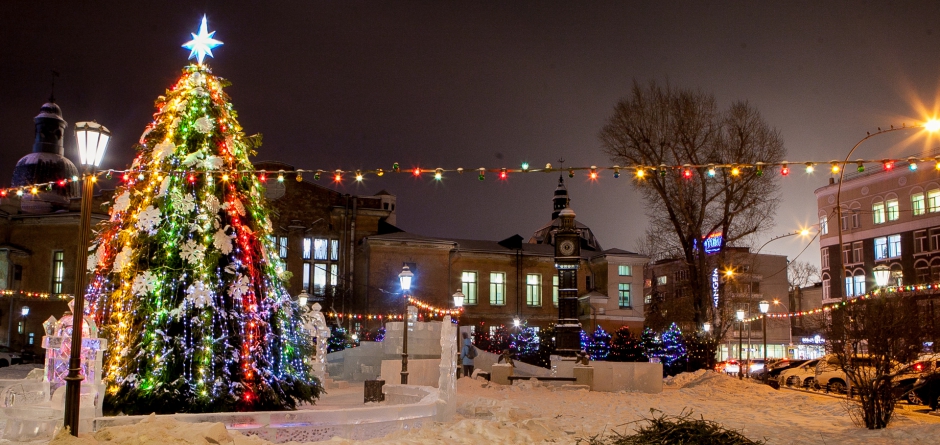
(202, 43)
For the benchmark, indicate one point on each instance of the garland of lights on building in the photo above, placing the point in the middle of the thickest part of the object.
(429, 309)
(201, 173)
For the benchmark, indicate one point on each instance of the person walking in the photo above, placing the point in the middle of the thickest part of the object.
(467, 354)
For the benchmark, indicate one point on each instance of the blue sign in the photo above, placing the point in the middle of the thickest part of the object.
(712, 243)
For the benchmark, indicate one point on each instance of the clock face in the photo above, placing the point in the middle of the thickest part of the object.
(566, 247)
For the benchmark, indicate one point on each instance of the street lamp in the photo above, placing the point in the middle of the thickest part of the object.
(764, 306)
(458, 303)
(789, 323)
(739, 314)
(93, 140)
(302, 299)
(707, 327)
(882, 275)
(405, 280)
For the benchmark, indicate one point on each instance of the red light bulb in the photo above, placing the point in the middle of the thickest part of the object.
(687, 174)
(784, 171)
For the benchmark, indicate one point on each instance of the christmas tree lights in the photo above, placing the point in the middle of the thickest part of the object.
(186, 283)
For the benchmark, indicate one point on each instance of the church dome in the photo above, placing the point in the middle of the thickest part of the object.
(47, 163)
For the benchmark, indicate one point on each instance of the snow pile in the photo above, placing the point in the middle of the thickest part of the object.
(536, 414)
(683, 379)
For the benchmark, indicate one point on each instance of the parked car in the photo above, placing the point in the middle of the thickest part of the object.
(778, 367)
(927, 389)
(925, 365)
(831, 377)
(8, 357)
(801, 375)
(729, 367)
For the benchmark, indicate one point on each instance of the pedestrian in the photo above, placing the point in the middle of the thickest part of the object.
(466, 355)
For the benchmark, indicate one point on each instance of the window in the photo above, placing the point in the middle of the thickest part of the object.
(282, 246)
(468, 284)
(32, 338)
(305, 283)
(661, 279)
(334, 273)
(859, 281)
(846, 253)
(624, 270)
(933, 200)
(825, 289)
(555, 290)
(334, 250)
(497, 288)
(891, 206)
(934, 239)
(923, 273)
(58, 271)
(881, 248)
(848, 287)
(319, 278)
(681, 275)
(623, 294)
(825, 258)
(308, 246)
(648, 299)
(823, 224)
(857, 252)
(533, 289)
(920, 241)
(894, 246)
(320, 249)
(855, 219)
(19, 327)
(917, 204)
(878, 212)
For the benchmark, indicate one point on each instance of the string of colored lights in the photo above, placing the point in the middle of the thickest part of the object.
(434, 309)
(211, 174)
(839, 305)
(39, 295)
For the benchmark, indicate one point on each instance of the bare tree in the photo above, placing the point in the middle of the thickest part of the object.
(801, 274)
(658, 127)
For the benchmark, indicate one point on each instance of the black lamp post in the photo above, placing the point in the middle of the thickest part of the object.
(739, 314)
(405, 279)
(764, 306)
(92, 142)
(458, 303)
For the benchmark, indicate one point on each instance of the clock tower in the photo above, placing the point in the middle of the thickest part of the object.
(567, 261)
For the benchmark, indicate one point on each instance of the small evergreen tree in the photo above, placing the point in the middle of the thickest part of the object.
(337, 341)
(599, 346)
(675, 354)
(701, 351)
(525, 344)
(652, 344)
(585, 340)
(624, 347)
(546, 347)
(500, 340)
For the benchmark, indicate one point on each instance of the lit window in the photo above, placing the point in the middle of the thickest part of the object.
(881, 248)
(555, 290)
(648, 299)
(823, 225)
(933, 200)
(282, 246)
(334, 272)
(878, 212)
(533, 289)
(58, 271)
(319, 278)
(917, 204)
(497, 288)
(623, 294)
(624, 270)
(859, 281)
(661, 279)
(305, 284)
(892, 209)
(320, 246)
(32, 338)
(334, 250)
(308, 245)
(468, 284)
(894, 246)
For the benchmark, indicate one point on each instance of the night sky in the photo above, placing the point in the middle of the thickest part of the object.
(360, 85)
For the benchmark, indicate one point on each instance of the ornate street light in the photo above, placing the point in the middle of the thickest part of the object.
(93, 140)
(302, 299)
(882, 275)
(707, 327)
(404, 279)
(458, 303)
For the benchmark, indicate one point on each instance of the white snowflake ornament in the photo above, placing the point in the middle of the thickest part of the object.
(143, 283)
(198, 295)
(222, 241)
(204, 125)
(148, 219)
(192, 252)
(121, 203)
(122, 259)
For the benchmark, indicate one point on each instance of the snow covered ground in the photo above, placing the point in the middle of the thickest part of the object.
(529, 414)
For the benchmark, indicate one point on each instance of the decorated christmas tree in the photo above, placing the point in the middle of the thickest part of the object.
(338, 340)
(525, 344)
(546, 347)
(624, 347)
(674, 356)
(186, 284)
(652, 344)
(585, 340)
(599, 346)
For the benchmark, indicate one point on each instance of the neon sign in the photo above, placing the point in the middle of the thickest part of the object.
(712, 243)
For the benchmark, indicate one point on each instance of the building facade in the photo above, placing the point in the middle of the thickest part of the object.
(890, 217)
(739, 280)
(504, 280)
